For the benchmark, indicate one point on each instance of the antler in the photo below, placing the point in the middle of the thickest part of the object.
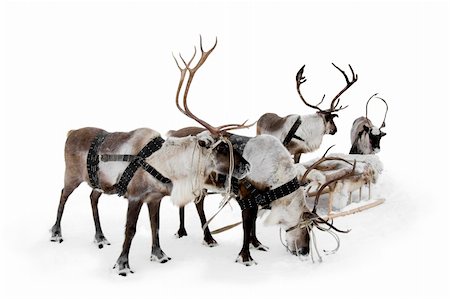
(344, 176)
(387, 108)
(192, 70)
(320, 161)
(300, 80)
(335, 101)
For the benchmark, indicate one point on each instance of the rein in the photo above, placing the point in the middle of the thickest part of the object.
(228, 195)
(310, 221)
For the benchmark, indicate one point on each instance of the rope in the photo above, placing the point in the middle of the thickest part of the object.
(228, 195)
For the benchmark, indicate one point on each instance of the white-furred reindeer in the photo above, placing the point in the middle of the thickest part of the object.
(272, 167)
(365, 137)
(304, 134)
(179, 167)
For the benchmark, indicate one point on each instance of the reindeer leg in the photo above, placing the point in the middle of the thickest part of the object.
(134, 207)
(349, 201)
(370, 193)
(208, 239)
(360, 193)
(157, 254)
(100, 239)
(254, 242)
(248, 216)
(182, 230)
(65, 193)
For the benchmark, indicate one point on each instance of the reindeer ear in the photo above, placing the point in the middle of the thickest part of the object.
(366, 128)
(383, 134)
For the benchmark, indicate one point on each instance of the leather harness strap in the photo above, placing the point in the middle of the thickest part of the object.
(136, 161)
(93, 159)
(264, 199)
(291, 134)
(139, 161)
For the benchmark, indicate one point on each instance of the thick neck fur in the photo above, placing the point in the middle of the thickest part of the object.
(186, 164)
(311, 130)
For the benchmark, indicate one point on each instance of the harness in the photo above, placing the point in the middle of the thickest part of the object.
(258, 198)
(291, 134)
(136, 161)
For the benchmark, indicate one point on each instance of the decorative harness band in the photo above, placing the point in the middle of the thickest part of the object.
(136, 161)
(93, 159)
(291, 133)
(264, 199)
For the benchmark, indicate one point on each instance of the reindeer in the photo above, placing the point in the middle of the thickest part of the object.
(364, 136)
(179, 167)
(304, 134)
(268, 184)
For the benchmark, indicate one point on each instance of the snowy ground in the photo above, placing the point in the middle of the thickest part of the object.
(387, 253)
(70, 64)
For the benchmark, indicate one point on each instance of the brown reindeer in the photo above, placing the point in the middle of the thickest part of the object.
(144, 168)
(304, 134)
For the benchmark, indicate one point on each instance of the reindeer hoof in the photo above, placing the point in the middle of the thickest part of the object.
(259, 247)
(101, 242)
(210, 243)
(124, 271)
(160, 259)
(56, 238)
(180, 233)
(248, 263)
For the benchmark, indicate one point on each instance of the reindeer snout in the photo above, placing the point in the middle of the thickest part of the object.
(302, 251)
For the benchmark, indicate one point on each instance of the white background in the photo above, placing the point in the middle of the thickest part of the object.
(70, 64)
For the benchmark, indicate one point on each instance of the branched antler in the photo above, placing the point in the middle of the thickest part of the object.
(335, 102)
(192, 70)
(342, 177)
(320, 161)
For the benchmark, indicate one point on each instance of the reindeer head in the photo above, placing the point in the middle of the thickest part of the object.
(298, 236)
(219, 150)
(216, 140)
(329, 114)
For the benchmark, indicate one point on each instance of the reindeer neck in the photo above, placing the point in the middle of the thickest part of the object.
(312, 130)
(177, 157)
